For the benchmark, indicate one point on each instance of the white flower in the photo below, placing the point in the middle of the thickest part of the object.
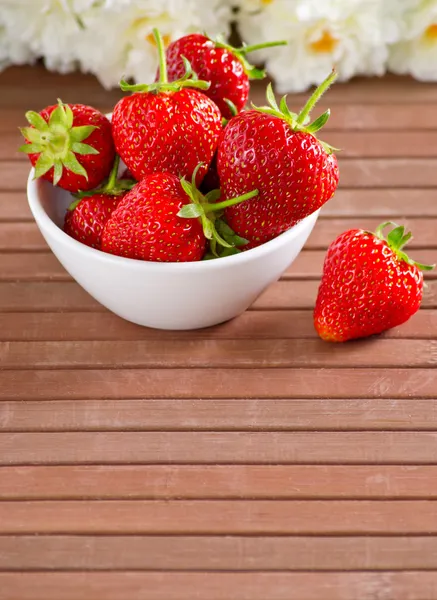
(347, 34)
(416, 52)
(118, 42)
(14, 48)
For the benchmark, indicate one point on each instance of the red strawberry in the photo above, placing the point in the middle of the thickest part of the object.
(165, 126)
(56, 148)
(87, 216)
(224, 66)
(369, 284)
(275, 151)
(163, 219)
(85, 221)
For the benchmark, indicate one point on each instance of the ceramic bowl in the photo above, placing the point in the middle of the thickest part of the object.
(165, 295)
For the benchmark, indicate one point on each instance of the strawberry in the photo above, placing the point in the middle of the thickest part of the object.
(166, 127)
(224, 66)
(277, 152)
(56, 148)
(164, 219)
(369, 284)
(87, 216)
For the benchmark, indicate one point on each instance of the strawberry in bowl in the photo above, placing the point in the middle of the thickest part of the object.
(167, 126)
(165, 248)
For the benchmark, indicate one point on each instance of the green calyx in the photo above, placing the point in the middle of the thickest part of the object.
(57, 142)
(209, 212)
(189, 79)
(240, 53)
(301, 121)
(397, 239)
(112, 187)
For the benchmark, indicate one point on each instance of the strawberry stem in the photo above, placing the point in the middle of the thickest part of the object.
(113, 186)
(200, 208)
(113, 174)
(163, 78)
(189, 79)
(230, 202)
(254, 47)
(315, 97)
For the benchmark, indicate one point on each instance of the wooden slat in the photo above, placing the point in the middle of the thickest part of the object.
(390, 202)
(219, 415)
(21, 236)
(53, 553)
(13, 206)
(384, 144)
(217, 383)
(409, 448)
(221, 517)
(363, 144)
(26, 236)
(24, 82)
(212, 353)
(215, 481)
(379, 119)
(69, 296)
(355, 173)
(43, 266)
(287, 324)
(407, 585)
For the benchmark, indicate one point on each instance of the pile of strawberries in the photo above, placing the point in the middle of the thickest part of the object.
(204, 178)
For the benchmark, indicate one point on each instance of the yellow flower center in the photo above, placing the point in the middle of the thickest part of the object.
(266, 2)
(325, 44)
(151, 39)
(431, 32)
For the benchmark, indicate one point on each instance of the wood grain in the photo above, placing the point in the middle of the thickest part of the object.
(159, 482)
(212, 353)
(356, 203)
(219, 415)
(26, 236)
(82, 448)
(408, 585)
(268, 324)
(264, 463)
(216, 383)
(68, 296)
(365, 144)
(43, 266)
(214, 553)
(223, 517)
(355, 173)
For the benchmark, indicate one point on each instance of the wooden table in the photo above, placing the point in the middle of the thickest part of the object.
(250, 461)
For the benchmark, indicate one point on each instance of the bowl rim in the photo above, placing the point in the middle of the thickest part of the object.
(43, 221)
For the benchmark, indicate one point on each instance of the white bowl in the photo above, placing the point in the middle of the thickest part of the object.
(165, 295)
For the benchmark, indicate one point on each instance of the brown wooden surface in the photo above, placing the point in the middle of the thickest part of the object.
(248, 461)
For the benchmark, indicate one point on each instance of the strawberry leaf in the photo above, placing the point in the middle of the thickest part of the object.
(43, 164)
(229, 234)
(37, 120)
(73, 165)
(191, 211)
(57, 172)
(57, 118)
(319, 122)
(78, 134)
(30, 148)
(79, 148)
(31, 134)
